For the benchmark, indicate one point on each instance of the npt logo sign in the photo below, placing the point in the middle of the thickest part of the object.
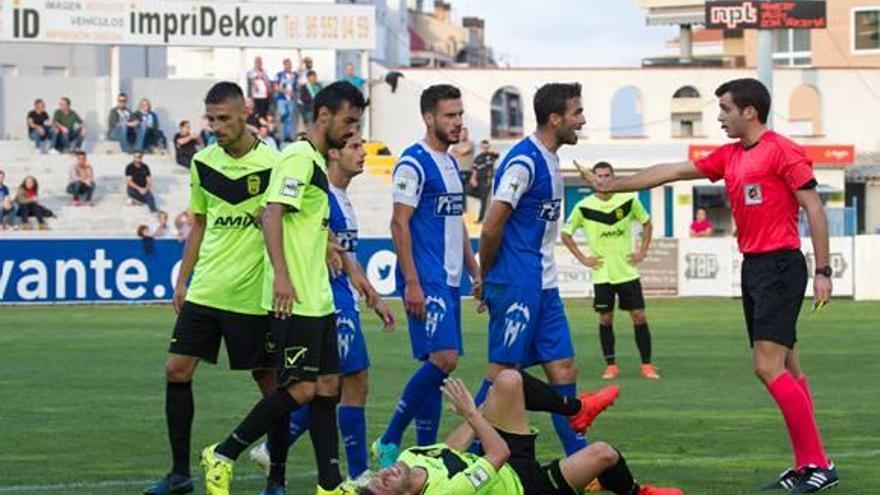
(732, 15)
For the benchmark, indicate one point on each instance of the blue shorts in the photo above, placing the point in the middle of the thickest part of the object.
(441, 330)
(352, 345)
(526, 326)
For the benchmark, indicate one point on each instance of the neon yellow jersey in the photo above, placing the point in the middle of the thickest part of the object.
(299, 182)
(451, 472)
(228, 191)
(608, 228)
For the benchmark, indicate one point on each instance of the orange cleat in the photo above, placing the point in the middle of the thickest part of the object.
(611, 372)
(653, 490)
(592, 404)
(650, 372)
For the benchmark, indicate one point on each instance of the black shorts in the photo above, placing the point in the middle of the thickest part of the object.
(306, 348)
(629, 294)
(773, 286)
(199, 329)
(536, 479)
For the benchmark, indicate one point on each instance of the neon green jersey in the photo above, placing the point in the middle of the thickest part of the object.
(228, 191)
(451, 472)
(299, 182)
(608, 227)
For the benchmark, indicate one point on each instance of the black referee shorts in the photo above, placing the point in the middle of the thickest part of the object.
(199, 330)
(629, 294)
(306, 348)
(773, 286)
(536, 479)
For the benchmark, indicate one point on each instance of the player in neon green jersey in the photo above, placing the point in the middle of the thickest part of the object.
(607, 219)
(508, 466)
(298, 297)
(224, 255)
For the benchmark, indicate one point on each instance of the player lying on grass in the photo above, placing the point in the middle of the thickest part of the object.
(509, 465)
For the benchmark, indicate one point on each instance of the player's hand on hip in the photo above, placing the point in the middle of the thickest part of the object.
(179, 298)
(636, 258)
(458, 394)
(594, 262)
(285, 297)
(386, 315)
(414, 301)
(822, 288)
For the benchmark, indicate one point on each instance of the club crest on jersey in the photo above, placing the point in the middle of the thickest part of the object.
(435, 311)
(253, 184)
(345, 330)
(451, 204)
(516, 318)
(618, 213)
(753, 194)
(291, 187)
(406, 186)
(550, 210)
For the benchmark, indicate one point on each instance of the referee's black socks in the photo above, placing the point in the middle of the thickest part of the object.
(606, 337)
(269, 412)
(179, 411)
(643, 341)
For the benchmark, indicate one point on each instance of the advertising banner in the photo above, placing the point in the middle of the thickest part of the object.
(753, 14)
(705, 267)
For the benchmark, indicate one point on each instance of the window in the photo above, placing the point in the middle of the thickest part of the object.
(507, 114)
(626, 113)
(792, 47)
(866, 29)
(687, 113)
(8, 70)
(51, 70)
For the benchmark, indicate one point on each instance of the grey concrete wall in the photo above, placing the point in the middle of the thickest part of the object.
(173, 100)
(30, 59)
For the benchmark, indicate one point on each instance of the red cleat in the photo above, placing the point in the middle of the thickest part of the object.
(592, 404)
(653, 490)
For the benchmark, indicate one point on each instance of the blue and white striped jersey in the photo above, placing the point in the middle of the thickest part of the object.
(343, 224)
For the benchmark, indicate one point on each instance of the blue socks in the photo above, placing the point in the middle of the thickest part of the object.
(299, 423)
(571, 441)
(428, 418)
(483, 392)
(416, 393)
(353, 426)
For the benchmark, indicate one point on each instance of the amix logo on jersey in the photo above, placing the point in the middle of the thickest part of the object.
(607, 234)
(235, 221)
(450, 205)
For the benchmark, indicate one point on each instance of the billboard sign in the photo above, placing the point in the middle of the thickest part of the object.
(751, 14)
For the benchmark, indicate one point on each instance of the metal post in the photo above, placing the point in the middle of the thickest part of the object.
(366, 74)
(765, 64)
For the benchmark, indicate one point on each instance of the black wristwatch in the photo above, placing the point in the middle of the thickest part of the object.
(825, 271)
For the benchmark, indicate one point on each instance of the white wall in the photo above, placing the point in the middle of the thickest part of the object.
(867, 285)
(872, 211)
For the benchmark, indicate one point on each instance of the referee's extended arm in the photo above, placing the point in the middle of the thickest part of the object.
(647, 178)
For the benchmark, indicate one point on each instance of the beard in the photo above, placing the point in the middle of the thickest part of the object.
(444, 137)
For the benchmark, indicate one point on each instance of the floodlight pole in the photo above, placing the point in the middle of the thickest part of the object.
(765, 64)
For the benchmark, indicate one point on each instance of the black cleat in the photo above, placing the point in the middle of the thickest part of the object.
(816, 479)
(787, 481)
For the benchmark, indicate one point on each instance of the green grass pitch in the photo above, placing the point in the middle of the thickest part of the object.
(82, 397)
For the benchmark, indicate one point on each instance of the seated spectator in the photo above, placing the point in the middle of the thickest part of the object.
(139, 182)
(206, 135)
(70, 130)
(307, 97)
(185, 143)
(270, 122)
(148, 135)
(267, 138)
(82, 180)
(183, 222)
(701, 226)
(253, 122)
(161, 229)
(40, 128)
(8, 208)
(120, 126)
(353, 79)
(29, 205)
(146, 239)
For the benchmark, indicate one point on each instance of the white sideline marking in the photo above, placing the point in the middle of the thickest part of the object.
(84, 485)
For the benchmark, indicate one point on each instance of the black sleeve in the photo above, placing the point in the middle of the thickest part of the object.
(812, 184)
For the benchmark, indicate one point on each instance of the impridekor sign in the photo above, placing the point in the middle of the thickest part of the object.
(189, 23)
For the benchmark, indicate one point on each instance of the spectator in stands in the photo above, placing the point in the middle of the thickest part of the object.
(146, 239)
(183, 223)
(82, 180)
(286, 85)
(162, 228)
(253, 122)
(149, 135)
(70, 130)
(353, 79)
(206, 135)
(40, 128)
(481, 178)
(8, 208)
(701, 226)
(29, 205)
(307, 97)
(464, 155)
(306, 65)
(267, 138)
(120, 126)
(259, 87)
(139, 182)
(185, 143)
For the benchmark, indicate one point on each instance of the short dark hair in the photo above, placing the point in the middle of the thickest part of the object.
(748, 92)
(311, 73)
(222, 92)
(65, 99)
(484, 141)
(183, 123)
(79, 153)
(553, 98)
(38, 101)
(122, 95)
(334, 95)
(434, 94)
(605, 165)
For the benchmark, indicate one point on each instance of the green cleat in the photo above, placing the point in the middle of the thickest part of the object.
(218, 472)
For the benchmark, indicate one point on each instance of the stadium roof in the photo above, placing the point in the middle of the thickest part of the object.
(866, 169)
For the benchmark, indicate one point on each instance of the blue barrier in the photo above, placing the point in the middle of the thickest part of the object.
(120, 270)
